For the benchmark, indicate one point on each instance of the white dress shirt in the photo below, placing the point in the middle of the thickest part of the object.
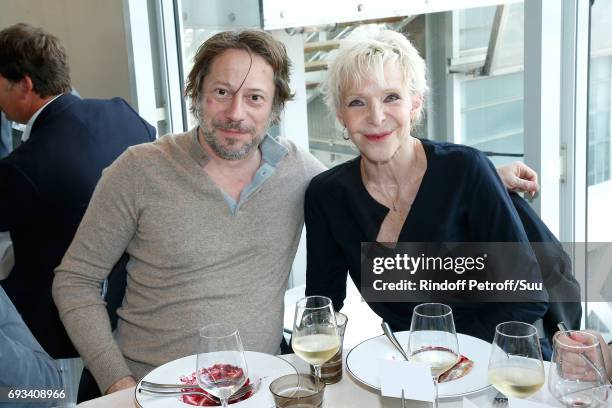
(26, 133)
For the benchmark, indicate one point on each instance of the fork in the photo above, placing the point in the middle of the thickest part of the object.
(170, 390)
(500, 400)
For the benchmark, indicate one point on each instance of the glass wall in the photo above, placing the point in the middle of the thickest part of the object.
(600, 89)
(599, 169)
(491, 105)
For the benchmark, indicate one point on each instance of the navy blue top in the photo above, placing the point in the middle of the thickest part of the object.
(461, 199)
(45, 186)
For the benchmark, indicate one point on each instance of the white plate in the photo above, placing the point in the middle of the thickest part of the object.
(265, 366)
(362, 363)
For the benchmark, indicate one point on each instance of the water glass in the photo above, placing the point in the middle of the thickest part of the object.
(578, 375)
(331, 371)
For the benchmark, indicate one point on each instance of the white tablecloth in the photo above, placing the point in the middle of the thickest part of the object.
(347, 393)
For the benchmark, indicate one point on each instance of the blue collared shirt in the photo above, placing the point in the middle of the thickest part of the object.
(6, 138)
(272, 153)
(24, 363)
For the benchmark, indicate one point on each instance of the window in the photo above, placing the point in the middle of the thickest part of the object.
(599, 169)
(491, 106)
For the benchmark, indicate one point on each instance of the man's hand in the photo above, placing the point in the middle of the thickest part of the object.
(122, 384)
(519, 177)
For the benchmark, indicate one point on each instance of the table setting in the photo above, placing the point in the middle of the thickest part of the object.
(263, 368)
(429, 366)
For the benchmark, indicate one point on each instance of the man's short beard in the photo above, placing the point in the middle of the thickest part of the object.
(208, 130)
(225, 153)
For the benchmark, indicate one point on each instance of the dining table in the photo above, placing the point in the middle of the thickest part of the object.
(349, 393)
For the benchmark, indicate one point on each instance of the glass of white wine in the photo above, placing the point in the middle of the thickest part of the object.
(577, 374)
(221, 367)
(516, 367)
(433, 339)
(315, 337)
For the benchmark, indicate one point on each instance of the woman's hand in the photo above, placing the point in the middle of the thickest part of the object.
(576, 366)
(519, 177)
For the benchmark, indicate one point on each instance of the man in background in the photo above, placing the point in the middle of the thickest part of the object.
(47, 181)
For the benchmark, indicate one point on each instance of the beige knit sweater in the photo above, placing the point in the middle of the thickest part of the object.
(192, 262)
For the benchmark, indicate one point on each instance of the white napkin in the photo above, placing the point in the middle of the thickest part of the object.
(414, 378)
(468, 404)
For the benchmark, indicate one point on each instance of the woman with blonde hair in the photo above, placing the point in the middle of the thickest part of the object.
(400, 188)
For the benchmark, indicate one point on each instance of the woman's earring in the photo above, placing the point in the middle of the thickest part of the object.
(345, 135)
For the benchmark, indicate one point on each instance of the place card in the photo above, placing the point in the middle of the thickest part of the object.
(468, 404)
(521, 403)
(414, 378)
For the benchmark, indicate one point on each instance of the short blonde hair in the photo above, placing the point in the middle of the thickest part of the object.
(364, 54)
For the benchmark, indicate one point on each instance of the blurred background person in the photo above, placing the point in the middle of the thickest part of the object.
(46, 182)
(6, 246)
(24, 363)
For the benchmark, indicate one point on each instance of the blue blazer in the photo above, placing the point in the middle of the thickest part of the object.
(45, 186)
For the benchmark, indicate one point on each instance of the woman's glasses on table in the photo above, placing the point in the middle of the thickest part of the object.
(577, 375)
(433, 339)
(221, 368)
(516, 367)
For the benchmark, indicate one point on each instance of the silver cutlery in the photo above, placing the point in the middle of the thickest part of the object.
(148, 384)
(170, 390)
(389, 333)
(403, 399)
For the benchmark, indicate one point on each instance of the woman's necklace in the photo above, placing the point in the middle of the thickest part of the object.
(394, 201)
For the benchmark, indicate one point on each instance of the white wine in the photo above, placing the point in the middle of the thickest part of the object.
(518, 382)
(316, 348)
(439, 359)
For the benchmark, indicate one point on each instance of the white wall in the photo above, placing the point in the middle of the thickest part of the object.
(93, 33)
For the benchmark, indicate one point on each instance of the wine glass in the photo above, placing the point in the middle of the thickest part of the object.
(433, 339)
(315, 336)
(516, 367)
(221, 368)
(577, 374)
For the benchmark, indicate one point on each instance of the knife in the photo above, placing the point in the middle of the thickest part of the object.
(389, 333)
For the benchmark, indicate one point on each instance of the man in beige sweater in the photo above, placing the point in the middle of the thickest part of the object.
(211, 220)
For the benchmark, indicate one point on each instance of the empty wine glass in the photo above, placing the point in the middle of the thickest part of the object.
(577, 374)
(516, 367)
(315, 337)
(221, 368)
(433, 339)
